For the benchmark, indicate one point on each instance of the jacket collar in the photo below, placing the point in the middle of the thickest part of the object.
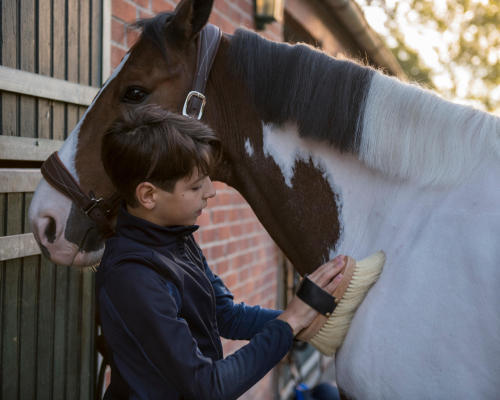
(148, 233)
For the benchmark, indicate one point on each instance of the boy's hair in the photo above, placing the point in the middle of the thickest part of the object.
(154, 145)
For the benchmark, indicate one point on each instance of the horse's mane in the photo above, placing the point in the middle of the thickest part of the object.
(399, 129)
(323, 95)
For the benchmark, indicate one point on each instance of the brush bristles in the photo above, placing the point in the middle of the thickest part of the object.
(332, 333)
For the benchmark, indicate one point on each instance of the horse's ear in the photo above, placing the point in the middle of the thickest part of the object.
(190, 16)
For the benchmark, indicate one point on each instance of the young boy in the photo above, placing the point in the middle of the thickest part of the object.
(162, 310)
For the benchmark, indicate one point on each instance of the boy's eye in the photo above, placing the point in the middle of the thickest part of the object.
(196, 187)
(134, 95)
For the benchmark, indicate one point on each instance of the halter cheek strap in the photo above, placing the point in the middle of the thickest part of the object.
(97, 209)
(208, 44)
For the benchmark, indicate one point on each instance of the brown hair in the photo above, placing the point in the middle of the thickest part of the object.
(155, 145)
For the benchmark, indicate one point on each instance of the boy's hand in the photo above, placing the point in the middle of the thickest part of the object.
(298, 314)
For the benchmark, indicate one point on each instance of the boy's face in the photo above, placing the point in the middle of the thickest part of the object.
(182, 206)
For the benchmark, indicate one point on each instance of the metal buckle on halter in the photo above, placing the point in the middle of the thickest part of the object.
(201, 96)
(94, 203)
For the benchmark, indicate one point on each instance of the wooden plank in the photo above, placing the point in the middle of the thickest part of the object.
(31, 84)
(44, 65)
(72, 59)
(29, 149)
(95, 56)
(58, 121)
(87, 378)
(16, 180)
(59, 65)
(59, 329)
(16, 246)
(2, 292)
(72, 62)
(46, 317)
(59, 39)
(27, 344)
(29, 325)
(84, 43)
(10, 344)
(9, 30)
(28, 123)
(106, 39)
(29, 331)
(10, 110)
(11, 311)
(3, 201)
(9, 59)
(73, 352)
(71, 117)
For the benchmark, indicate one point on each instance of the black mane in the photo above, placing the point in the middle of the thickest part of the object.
(325, 96)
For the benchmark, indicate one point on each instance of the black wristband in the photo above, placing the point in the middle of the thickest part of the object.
(315, 297)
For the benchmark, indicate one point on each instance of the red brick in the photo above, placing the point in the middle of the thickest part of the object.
(219, 216)
(132, 36)
(143, 3)
(204, 218)
(209, 235)
(248, 227)
(222, 267)
(224, 233)
(236, 230)
(116, 56)
(117, 31)
(223, 199)
(161, 5)
(245, 6)
(244, 274)
(145, 14)
(124, 10)
(231, 279)
(218, 185)
(217, 251)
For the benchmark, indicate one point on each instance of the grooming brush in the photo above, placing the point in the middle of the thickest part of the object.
(336, 310)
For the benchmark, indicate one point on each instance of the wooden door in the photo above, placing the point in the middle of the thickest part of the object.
(51, 61)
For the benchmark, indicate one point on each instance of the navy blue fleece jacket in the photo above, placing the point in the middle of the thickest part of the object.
(162, 312)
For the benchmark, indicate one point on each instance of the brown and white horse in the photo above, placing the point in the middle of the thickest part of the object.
(332, 157)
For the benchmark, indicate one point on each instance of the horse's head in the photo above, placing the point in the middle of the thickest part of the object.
(153, 72)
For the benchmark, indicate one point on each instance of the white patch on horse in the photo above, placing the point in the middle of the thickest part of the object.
(283, 144)
(248, 147)
(67, 152)
(411, 133)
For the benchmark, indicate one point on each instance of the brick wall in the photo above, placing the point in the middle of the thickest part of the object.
(236, 245)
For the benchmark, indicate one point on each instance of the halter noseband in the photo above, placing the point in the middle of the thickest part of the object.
(99, 209)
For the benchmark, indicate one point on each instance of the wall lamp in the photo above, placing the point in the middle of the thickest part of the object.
(267, 11)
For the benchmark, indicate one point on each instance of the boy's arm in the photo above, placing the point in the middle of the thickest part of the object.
(237, 321)
(140, 303)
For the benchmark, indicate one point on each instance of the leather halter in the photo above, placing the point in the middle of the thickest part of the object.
(208, 44)
(98, 209)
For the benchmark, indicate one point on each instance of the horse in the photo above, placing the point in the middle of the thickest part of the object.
(333, 157)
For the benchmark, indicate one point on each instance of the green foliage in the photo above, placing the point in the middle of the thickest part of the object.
(466, 43)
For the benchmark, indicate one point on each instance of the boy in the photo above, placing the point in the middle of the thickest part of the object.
(162, 310)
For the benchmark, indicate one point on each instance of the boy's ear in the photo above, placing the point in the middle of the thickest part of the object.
(190, 16)
(145, 194)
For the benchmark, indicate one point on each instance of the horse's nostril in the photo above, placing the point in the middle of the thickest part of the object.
(50, 230)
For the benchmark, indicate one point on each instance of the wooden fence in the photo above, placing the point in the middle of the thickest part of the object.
(53, 54)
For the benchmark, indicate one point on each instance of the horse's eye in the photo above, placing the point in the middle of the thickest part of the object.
(134, 95)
